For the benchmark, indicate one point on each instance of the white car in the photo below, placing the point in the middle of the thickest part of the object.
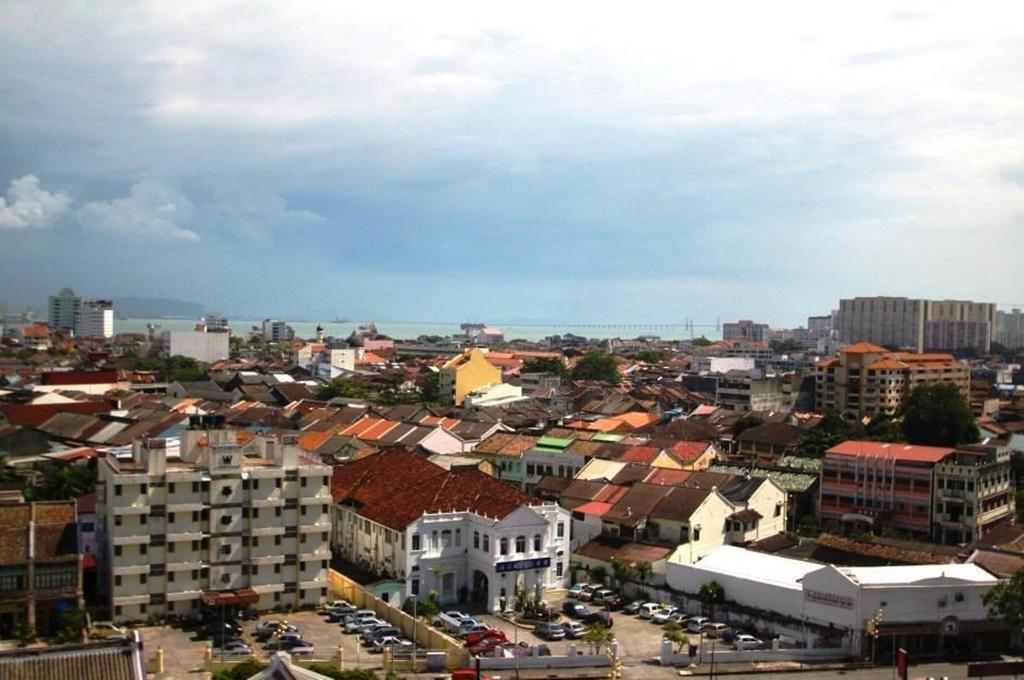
(362, 624)
(234, 648)
(695, 624)
(648, 610)
(661, 616)
(744, 641)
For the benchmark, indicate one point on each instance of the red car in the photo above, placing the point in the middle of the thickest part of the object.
(487, 645)
(479, 636)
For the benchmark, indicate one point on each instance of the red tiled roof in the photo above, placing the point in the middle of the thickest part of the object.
(863, 348)
(640, 454)
(395, 487)
(78, 377)
(687, 451)
(667, 476)
(904, 452)
(593, 508)
(34, 415)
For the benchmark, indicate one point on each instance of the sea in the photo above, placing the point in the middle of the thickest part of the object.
(410, 330)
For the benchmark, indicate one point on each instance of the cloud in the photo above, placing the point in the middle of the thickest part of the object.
(152, 210)
(29, 206)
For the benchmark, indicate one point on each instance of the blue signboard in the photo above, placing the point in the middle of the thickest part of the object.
(523, 565)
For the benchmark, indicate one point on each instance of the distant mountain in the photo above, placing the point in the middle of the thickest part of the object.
(157, 307)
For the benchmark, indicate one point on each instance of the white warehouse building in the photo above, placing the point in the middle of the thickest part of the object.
(926, 609)
(461, 532)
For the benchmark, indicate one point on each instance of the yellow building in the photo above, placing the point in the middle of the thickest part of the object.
(466, 373)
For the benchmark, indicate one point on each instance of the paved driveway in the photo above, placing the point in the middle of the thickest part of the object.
(183, 654)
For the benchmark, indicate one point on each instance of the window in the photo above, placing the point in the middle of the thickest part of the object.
(195, 487)
(156, 570)
(88, 527)
(277, 568)
(536, 543)
(225, 490)
(415, 587)
(458, 538)
(225, 550)
(225, 520)
(277, 539)
(195, 545)
(560, 530)
(144, 489)
(117, 581)
(195, 516)
(170, 577)
(520, 544)
(254, 570)
(255, 513)
(476, 540)
(170, 487)
(503, 546)
(142, 579)
(117, 610)
(118, 521)
(487, 543)
(143, 549)
(256, 485)
(170, 518)
(143, 519)
(170, 547)
(117, 489)
(255, 541)
(778, 509)
(304, 480)
(529, 469)
(696, 534)
(277, 483)
(558, 568)
(446, 538)
(277, 512)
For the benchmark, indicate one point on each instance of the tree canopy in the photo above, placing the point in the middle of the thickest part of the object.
(885, 428)
(830, 431)
(711, 596)
(177, 367)
(1006, 600)
(938, 415)
(544, 365)
(339, 387)
(597, 366)
(745, 423)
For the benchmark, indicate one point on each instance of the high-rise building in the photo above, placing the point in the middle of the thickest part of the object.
(745, 329)
(95, 319)
(944, 335)
(217, 524)
(215, 322)
(866, 380)
(1010, 328)
(277, 331)
(63, 310)
(900, 322)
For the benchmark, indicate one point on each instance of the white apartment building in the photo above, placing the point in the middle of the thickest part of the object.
(206, 346)
(95, 319)
(1010, 328)
(219, 524)
(277, 331)
(215, 322)
(324, 361)
(745, 329)
(460, 532)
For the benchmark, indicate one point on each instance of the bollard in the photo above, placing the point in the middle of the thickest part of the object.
(341, 658)
(159, 659)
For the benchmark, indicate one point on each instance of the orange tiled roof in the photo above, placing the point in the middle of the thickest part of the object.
(863, 348)
(905, 452)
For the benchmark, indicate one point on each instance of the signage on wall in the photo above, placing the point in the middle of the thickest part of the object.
(523, 565)
(830, 599)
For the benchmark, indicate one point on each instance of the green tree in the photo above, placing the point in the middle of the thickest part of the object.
(339, 387)
(745, 423)
(66, 483)
(938, 415)
(673, 632)
(598, 636)
(885, 428)
(650, 356)
(700, 342)
(621, 571)
(428, 382)
(333, 673)
(597, 366)
(72, 627)
(544, 365)
(1006, 601)
(830, 431)
(643, 572)
(598, 574)
(711, 596)
(242, 671)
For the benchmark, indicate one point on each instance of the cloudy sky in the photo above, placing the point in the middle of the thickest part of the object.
(555, 161)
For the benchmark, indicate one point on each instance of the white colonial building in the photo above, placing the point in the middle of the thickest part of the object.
(218, 524)
(460, 532)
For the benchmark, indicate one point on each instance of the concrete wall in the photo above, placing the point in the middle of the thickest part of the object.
(204, 347)
(724, 654)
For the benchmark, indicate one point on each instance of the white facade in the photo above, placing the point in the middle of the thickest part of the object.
(95, 319)
(495, 395)
(206, 347)
(842, 599)
(724, 364)
(463, 555)
(214, 522)
(215, 322)
(277, 331)
(325, 362)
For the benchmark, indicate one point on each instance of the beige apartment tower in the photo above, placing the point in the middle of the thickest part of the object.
(217, 523)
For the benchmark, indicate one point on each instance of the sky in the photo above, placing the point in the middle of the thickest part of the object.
(577, 162)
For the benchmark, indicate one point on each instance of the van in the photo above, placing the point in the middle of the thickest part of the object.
(714, 630)
(648, 609)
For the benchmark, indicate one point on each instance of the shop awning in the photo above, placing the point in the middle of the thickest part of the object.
(220, 598)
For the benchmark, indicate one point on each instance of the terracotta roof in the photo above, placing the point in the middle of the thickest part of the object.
(604, 548)
(680, 503)
(863, 348)
(747, 515)
(688, 451)
(120, 660)
(779, 434)
(903, 452)
(640, 454)
(1003, 565)
(886, 365)
(637, 503)
(667, 476)
(593, 508)
(395, 487)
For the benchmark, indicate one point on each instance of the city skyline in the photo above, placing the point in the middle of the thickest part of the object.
(555, 164)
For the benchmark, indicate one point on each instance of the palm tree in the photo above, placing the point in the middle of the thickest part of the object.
(643, 572)
(674, 633)
(621, 571)
(711, 595)
(598, 636)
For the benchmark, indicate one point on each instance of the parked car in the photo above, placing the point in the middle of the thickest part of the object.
(745, 641)
(586, 593)
(575, 610)
(383, 630)
(339, 612)
(363, 613)
(487, 645)
(361, 625)
(106, 629)
(480, 635)
(270, 629)
(632, 608)
(714, 630)
(475, 628)
(220, 630)
(615, 603)
(575, 589)
(602, 595)
(300, 648)
(660, 617)
(648, 610)
(395, 642)
(694, 624)
(550, 631)
(574, 630)
(600, 616)
(233, 648)
(679, 617)
(284, 642)
(465, 625)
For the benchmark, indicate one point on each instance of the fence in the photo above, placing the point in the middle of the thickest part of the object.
(424, 635)
(574, 659)
(669, 657)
